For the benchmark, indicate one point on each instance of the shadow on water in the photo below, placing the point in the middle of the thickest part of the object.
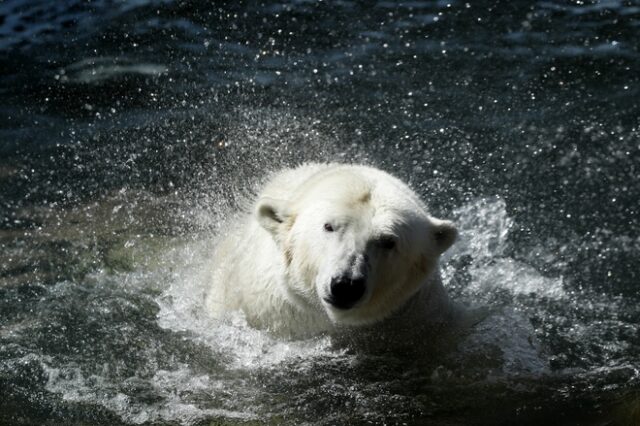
(131, 133)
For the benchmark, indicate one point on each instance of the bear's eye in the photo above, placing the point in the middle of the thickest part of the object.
(387, 243)
(328, 227)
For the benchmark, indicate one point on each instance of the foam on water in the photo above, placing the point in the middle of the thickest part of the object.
(173, 393)
(168, 387)
(180, 393)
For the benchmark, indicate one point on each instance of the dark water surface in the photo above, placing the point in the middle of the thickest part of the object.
(131, 131)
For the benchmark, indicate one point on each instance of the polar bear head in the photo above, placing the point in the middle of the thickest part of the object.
(357, 243)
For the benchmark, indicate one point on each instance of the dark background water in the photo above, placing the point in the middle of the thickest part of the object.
(129, 131)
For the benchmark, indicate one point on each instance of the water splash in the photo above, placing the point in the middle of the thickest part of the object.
(484, 242)
(182, 309)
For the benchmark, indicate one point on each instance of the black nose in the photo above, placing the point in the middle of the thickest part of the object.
(345, 292)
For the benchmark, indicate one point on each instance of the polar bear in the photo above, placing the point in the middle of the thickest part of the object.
(330, 246)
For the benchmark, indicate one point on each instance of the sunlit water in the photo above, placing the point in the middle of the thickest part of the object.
(133, 133)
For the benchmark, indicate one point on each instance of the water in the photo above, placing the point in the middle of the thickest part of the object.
(132, 132)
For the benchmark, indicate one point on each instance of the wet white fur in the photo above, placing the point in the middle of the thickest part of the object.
(277, 263)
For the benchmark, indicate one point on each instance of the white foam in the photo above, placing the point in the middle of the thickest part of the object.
(168, 386)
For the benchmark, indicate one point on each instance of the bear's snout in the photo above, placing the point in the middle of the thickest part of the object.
(346, 291)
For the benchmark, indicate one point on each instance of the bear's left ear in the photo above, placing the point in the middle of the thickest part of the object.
(444, 233)
(271, 213)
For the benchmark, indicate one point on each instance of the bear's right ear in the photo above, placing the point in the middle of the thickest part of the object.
(271, 213)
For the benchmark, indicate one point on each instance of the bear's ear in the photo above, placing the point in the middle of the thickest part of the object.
(271, 213)
(444, 234)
